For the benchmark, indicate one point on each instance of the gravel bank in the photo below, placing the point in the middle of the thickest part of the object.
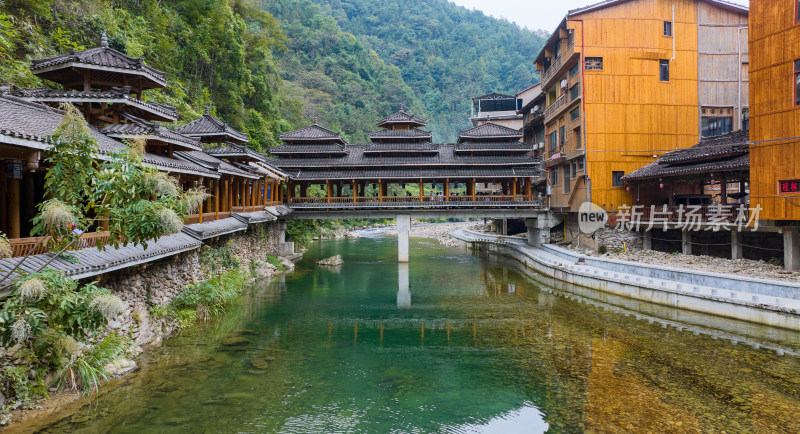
(438, 231)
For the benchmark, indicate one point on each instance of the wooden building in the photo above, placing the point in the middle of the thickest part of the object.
(497, 108)
(532, 111)
(108, 88)
(324, 169)
(629, 80)
(775, 89)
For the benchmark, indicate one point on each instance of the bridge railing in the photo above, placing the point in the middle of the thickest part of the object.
(410, 199)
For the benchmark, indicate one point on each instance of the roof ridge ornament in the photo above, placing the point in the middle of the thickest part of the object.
(402, 107)
(208, 110)
(104, 40)
(315, 121)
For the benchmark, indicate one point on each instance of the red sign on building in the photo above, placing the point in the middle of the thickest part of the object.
(789, 186)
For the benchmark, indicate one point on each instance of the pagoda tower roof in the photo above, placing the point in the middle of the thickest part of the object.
(312, 134)
(208, 128)
(402, 118)
(106, 63)
(490, 132)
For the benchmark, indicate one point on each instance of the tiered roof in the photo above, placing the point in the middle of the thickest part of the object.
(236, 152)
(312, 134)
(113, 95)
(153, 132)
(210, 129)
(725, 153)
(413, 158)
(113, 65)
(402, 118)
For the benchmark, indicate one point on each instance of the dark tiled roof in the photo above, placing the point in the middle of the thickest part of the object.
(312, 133)
(93, 262)
(734, 143)
(414, 173)
(493, 147)
(308, 149)
(400, 147)
(402, 117)
(141, 128)
(490, 131)
(208, 125)
(279, 210)
(101, 57)
(213, 164)
(725, 153)
(206, 230)
(176, 165)
(34, 123)
(111, 96)
(413, 133)
(235, 150)
(495, 95)
(254, 217)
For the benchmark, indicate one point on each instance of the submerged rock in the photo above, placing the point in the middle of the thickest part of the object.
(233, 341)
(259, 363)
(120, 367)
(333, 260)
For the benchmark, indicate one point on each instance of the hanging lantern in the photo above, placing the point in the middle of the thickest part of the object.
(628, 188)
(661, 186)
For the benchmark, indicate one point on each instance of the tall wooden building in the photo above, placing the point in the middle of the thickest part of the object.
(775, 132)
(629, 80)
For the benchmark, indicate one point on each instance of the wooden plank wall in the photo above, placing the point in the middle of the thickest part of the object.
(718, 58)
(631, 115)
(775, 45)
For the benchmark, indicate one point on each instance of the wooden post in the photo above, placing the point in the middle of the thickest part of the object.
(421, 191)
(200, 206)
(355, 191)
(380, 190)
(473, 189)
(528, 192)
(724, 190)
(216, 199)
(13, 208)
(4, 199)
(328, 188)
(514, 191)
(447, 190)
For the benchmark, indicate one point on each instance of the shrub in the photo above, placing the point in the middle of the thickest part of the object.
(276, 262)
(602, 249)
(85, 371)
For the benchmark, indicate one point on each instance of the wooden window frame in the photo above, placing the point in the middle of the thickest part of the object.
(621, 183)
(795, 77)
(601, 63)
(796, 12)
(671, 30)
(661, 63)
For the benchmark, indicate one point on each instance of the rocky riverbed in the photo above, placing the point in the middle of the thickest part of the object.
(439, 231)
(738, 267)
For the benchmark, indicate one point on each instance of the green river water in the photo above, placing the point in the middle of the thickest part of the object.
(476, 344)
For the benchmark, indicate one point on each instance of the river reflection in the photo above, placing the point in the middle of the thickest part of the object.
(456, 343)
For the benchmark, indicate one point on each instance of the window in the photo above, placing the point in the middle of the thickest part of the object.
(797, 82)
(578, 138)
(553, 142)
(797, 11)
(574, 70)
(667, 28)
(566, 178)
(562, 137)
(746, 119)
(593, 64)
(581, 164)
(574, 92)
(554, 176)
(663, 70)
(616, 178)
(575, 114)
(716, 121)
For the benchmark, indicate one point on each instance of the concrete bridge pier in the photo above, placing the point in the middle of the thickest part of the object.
(284, 248)
(403, 229)
(538, 230)
(403, 292)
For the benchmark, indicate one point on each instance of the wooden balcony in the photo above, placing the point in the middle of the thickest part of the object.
(555, 68)
(559, 106)
(38, 245)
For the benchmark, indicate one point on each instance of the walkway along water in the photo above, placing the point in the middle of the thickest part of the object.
(755, 300)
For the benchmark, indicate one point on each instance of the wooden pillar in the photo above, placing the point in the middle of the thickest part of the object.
(355, 191)
(224, 194)
(328, 188)
(514, 190)
(671, 199)
(421, 191)
(28, 207)
(4, 199)
(380, 190)
(724, 190)
(13, 208)
(473, 189)
(242, 193)
(200, 206)
(447, 190)
(216, 199)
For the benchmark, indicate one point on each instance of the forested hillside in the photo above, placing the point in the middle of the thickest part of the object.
(267, 66)
(445, 52)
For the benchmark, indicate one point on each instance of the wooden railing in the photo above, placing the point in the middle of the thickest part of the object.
(32, 246)
(550, 72)
(410, 199)
(553, 108)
